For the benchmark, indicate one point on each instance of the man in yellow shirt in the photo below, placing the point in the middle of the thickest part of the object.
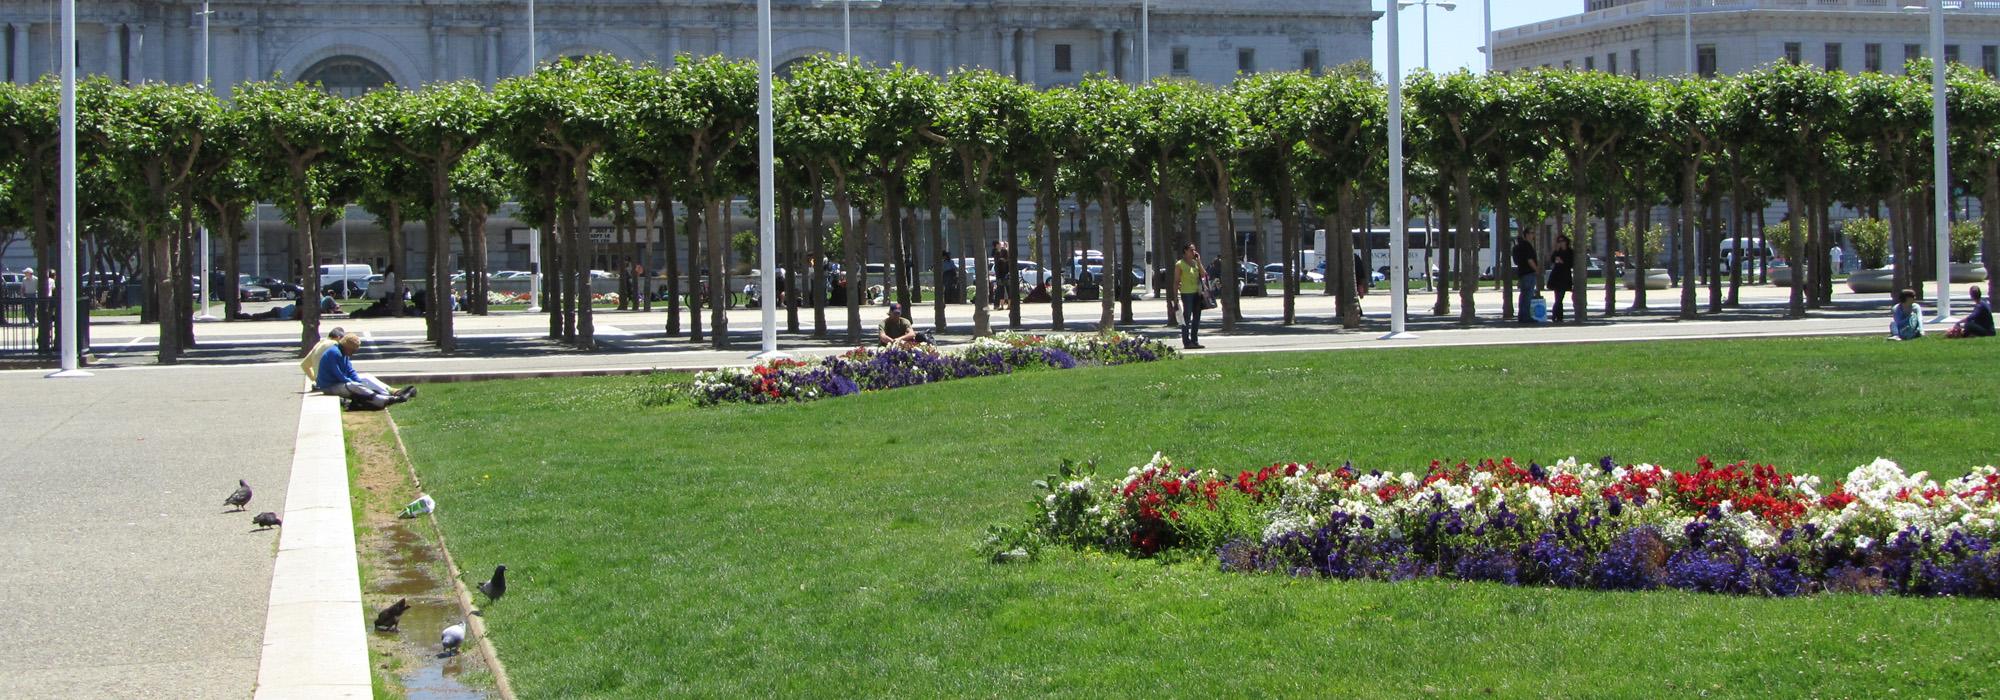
(1190, 278)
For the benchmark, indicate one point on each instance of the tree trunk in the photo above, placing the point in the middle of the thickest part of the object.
(1123, 274)
(850, 246)
(718, 272)
(1010, 217)
(232, 261)
(1468, 250)
(1684, 257)
(1989, 243)
(305, 258)
(1107, 281)
(1581, 221)
(164, 289)
(695, 284)
(1225, 225)
(440, 282)
(934, 202)
(1796, 251)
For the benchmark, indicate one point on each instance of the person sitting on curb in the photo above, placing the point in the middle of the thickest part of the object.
(1907, 323)
(897, 331)
(337, 378)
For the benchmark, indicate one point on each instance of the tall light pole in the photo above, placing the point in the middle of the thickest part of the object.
(1399, 285)
(66, 189)
(534, 236)
(206, 276)
(1941, 167)
(1492, 215)
(846, 27)
(767, 230)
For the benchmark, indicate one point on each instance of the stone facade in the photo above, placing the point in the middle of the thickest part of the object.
(1646, 37)
(1047, 42)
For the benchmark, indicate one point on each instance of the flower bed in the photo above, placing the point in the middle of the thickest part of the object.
(877, 369)
(1739, 528)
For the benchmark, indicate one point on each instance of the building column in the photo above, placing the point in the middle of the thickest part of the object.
(1107, 53)
(437, 54)
(1121, 57)
(253, 61)
(113, 52)
(20, 52)
(492, 56)
(1004, 48)
(940, 64)
(673, 47)
(136, 72)
(1028, 57)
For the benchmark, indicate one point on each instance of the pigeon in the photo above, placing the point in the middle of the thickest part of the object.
(451, 638)
(266, 520)
(497, 586)
(386, 620)
(241, 497)
(423, 505)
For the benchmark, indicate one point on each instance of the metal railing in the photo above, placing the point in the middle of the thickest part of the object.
(28, 327)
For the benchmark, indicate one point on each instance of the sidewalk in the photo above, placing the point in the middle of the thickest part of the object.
(125, 578)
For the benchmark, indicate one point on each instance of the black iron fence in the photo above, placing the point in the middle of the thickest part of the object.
(28, 327)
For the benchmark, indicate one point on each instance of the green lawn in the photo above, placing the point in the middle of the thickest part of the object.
(829, 548)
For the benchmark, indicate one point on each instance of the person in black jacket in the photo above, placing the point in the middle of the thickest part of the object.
(1527, 269)
(1562, 277)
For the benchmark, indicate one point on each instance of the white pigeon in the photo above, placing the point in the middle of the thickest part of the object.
(451, 638)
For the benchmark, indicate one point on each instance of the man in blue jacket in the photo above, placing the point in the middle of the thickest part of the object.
(337, 377)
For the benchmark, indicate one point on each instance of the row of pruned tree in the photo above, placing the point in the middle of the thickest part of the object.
(886, 150)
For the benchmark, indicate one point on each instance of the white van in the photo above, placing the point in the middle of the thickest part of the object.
(331, 277)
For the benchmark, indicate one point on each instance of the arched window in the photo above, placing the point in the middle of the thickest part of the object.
(346, 76)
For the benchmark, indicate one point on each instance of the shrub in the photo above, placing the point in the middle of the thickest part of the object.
(1871, 241)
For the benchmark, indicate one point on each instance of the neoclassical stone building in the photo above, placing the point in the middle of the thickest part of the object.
(350, 46)
(1647, 37)
(353, 45)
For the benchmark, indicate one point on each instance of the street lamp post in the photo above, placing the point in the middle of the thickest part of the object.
(534, 236)
(1399, 273)
(207, 277)
(1941, 173)
(767, 237)
(1447, 5)
(66, 189)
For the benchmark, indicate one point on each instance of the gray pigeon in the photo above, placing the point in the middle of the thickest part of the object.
(451, 638)
(496, 586)
(241, 497)
(266, 520)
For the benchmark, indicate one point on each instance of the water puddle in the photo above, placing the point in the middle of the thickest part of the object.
(400, 561)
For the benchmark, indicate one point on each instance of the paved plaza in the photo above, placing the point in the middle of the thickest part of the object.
(128, 580)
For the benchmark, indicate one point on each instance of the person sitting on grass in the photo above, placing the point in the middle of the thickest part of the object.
(897, 331)
(337, 378)
(1978, 323)
(1908, 321)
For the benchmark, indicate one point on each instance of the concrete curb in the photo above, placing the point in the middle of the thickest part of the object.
(315, 645)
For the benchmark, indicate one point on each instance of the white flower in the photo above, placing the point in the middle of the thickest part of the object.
(1863, 541)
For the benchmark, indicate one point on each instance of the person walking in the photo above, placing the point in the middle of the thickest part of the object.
(1527, 269)
(1562, 278)
(1190, 279)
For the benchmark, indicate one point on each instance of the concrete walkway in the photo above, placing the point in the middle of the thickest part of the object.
(124, 576)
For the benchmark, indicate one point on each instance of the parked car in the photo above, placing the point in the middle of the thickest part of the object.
(279, 289)
(247, 289)
(511, 274)
(1274, 273)
(346, 289)
(10, 284)
(1249, 280)
(346, 281)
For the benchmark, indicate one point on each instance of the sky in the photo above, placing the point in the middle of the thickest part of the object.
(1457, 35)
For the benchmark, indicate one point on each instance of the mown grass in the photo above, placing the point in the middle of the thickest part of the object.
(828, 548)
